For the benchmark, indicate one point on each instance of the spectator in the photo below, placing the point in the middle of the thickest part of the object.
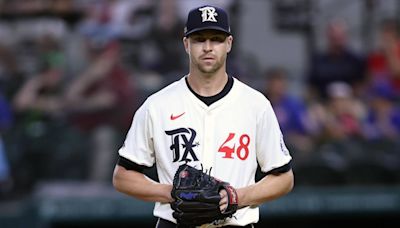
(93, 98)
(337, 126)
(43, 92)
(342, 114)
(41, 134)
(383, 120)
(384, 62)
(382, 128)
(133, 22)
(290, 111)
(337, 63)
(166, 35)
(96, 23)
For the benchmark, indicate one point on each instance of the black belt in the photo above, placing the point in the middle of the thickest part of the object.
(162, 223)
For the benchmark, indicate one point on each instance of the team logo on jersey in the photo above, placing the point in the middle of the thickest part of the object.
(208, 14)
(182, 144)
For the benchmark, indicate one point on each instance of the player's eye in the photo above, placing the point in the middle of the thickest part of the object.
(214, 38)
(218, 39)
(199, 38)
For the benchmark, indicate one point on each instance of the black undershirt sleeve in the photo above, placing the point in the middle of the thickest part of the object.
(282, 169)
(279, 170)
(150, 172)
(130, 165)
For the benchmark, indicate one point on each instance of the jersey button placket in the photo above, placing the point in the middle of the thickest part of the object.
(208, 154)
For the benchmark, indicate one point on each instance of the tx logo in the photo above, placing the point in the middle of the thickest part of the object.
(208, 14)
(183, 138)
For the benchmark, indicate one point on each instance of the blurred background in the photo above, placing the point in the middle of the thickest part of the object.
(72, 73)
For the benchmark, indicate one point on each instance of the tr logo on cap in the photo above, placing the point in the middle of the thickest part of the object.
(208, 14)
(207, 17)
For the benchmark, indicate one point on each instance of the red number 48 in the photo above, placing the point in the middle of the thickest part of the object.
(242, 151)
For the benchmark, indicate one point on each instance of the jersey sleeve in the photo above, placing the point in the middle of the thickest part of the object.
(271, 149)
(138, 145)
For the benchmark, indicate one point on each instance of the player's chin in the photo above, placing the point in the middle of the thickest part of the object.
(208, 69)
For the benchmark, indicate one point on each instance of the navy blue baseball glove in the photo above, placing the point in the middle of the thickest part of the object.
(197, 198)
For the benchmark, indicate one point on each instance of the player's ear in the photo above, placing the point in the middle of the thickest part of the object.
(229, 44)
(186, 44)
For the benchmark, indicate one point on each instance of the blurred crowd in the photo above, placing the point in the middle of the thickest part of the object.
(72, 73)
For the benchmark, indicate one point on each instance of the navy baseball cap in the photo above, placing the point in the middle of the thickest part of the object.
(207, 17)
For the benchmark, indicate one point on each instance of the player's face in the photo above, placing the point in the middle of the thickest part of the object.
(208, 50)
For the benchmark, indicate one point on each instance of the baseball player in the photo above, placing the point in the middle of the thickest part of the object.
(207, 119)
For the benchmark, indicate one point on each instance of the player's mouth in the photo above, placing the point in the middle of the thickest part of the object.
(207, 58)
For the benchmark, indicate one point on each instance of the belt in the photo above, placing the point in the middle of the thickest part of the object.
(162, 223)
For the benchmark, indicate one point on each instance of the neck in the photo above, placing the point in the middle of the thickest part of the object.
(207, 84)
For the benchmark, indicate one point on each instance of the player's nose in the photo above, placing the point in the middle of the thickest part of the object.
(207, 47)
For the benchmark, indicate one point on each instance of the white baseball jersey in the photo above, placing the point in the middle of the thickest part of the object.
(231, 136)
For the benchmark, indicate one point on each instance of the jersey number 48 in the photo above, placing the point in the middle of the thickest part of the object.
(242, 151)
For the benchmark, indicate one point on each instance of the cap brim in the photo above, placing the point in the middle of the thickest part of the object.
(207, 28)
